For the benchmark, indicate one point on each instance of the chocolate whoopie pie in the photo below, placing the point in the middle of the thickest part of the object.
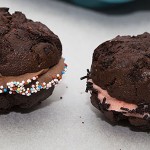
(119, 80)
(31, 62)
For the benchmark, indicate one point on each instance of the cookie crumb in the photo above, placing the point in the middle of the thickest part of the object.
(66, 87)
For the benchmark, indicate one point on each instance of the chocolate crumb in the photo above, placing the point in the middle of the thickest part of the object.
(104, 101)
(61, 97)
(82, 122)
(132, 111)
(145, 117)
(139, 110)
(66, 87)
(87, 76)
(104, 105)
(142, 104)
(126, 109)
(89, 86)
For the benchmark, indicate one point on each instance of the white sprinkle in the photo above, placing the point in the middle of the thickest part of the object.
(10, 92)
(55, 80)
(1, 91)
(34, 78)
(49, 85)
(2, 87)
(44, 83)
(11, 89)
(23, 82)
(32, 91)
(57, 75)
(33, 85)
(11, 85)
(28, 80)
(28, 94)
(8, 83)
(37, 89)
(37, 82)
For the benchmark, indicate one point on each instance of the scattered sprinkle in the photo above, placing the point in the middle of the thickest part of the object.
(10, 92)
(34, 78)
(5, 90)
(19, 87)
(23, 82)
(28, 81)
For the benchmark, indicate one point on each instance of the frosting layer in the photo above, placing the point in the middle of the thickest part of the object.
(127, 109)
(33, 82)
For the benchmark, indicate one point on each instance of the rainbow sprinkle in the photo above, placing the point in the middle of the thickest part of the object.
(19, 87)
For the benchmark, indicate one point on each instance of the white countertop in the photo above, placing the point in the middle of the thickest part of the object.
(57, 123)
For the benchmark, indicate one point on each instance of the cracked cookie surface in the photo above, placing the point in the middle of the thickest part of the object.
(26, 46)
(122, 67)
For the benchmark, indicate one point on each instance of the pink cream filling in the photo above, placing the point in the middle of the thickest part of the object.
(116, 104)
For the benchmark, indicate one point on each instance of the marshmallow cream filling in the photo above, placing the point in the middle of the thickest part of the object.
(115, 104)
(42, 79)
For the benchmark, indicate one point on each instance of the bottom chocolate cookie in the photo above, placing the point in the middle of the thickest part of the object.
(17, 101)
(117, 118)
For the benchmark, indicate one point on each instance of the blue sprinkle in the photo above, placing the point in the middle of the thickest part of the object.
(65, 67)
(39, 86)
(5, 90)
(14, 83)
(63, 72)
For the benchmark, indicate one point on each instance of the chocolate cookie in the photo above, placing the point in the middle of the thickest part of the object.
(119, 79)
(26, 46)
(31, 62)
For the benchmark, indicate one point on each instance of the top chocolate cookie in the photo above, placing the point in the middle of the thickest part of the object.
(26, 46)
(122, 67)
